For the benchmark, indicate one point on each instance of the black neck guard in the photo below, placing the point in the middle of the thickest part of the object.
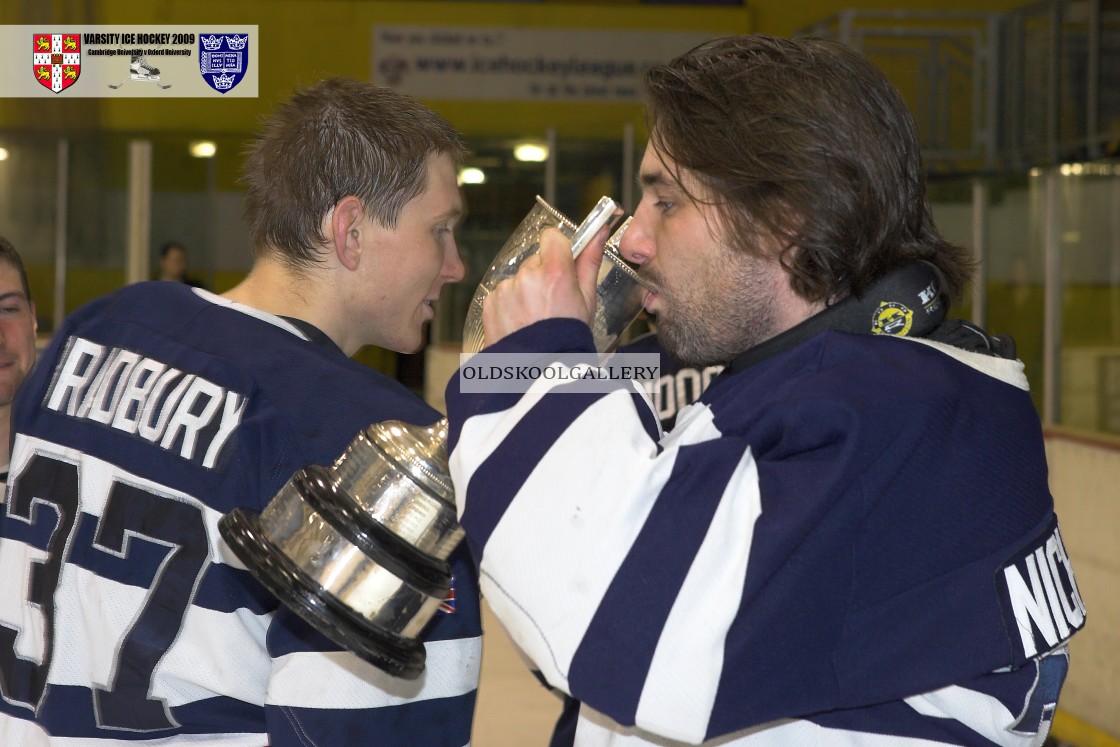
(907, 302)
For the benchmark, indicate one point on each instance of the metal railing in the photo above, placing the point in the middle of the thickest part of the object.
(999, 92)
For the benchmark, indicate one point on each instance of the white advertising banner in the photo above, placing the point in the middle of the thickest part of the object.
(521, 64)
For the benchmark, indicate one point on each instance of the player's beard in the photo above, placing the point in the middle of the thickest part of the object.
(717, 312)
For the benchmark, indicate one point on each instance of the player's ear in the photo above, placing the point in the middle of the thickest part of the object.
(345, 231)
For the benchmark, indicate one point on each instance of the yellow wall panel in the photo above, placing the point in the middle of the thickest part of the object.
(300, 42)
(783, 18)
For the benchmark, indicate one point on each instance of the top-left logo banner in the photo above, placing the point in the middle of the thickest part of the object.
(105, 61)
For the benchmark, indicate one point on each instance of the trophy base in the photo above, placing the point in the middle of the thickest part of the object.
(396, 655)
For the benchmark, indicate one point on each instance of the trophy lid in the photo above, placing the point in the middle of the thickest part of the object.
(419, 451)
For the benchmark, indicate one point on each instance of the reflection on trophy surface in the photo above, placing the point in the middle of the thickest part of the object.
(359, 548)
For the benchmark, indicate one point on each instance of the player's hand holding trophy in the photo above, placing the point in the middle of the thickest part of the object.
(359, 548)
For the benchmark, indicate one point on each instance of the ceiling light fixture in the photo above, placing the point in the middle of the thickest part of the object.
(530, 152)
(471, 175)
(203, 148)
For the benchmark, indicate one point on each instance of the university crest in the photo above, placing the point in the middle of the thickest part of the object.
(56, 60)
(223, 59)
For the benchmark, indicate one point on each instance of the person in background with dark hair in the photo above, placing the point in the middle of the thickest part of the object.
(849, 539)
(160, 408)
(18, 326)
(173, 265)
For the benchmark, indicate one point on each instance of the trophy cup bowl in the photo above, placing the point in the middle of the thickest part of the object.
(359, 548)
(524, 242)
(618, 294)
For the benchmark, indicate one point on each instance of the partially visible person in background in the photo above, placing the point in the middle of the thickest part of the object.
(18, 327)
(173, 265)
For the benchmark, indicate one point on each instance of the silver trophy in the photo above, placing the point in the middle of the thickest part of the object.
(359, 548)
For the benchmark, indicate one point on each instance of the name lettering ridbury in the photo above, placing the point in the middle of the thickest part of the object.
(182, 413)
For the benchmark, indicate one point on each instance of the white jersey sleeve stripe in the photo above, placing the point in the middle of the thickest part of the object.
(982, 713)
(345, 681)
(681, 686)
(1009, 371)
(482, 434)
(551, 513)
(30, 734)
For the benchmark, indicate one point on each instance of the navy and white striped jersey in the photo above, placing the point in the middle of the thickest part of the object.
(124, 618)
(677, 386)
(851, 541)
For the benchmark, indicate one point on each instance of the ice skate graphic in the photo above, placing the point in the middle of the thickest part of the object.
(142, 70)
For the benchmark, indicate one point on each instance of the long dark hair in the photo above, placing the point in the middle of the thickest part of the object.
(807, 141)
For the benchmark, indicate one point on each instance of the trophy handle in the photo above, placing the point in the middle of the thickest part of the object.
(603, 213)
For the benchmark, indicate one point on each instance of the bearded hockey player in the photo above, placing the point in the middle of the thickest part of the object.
(849, 539)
